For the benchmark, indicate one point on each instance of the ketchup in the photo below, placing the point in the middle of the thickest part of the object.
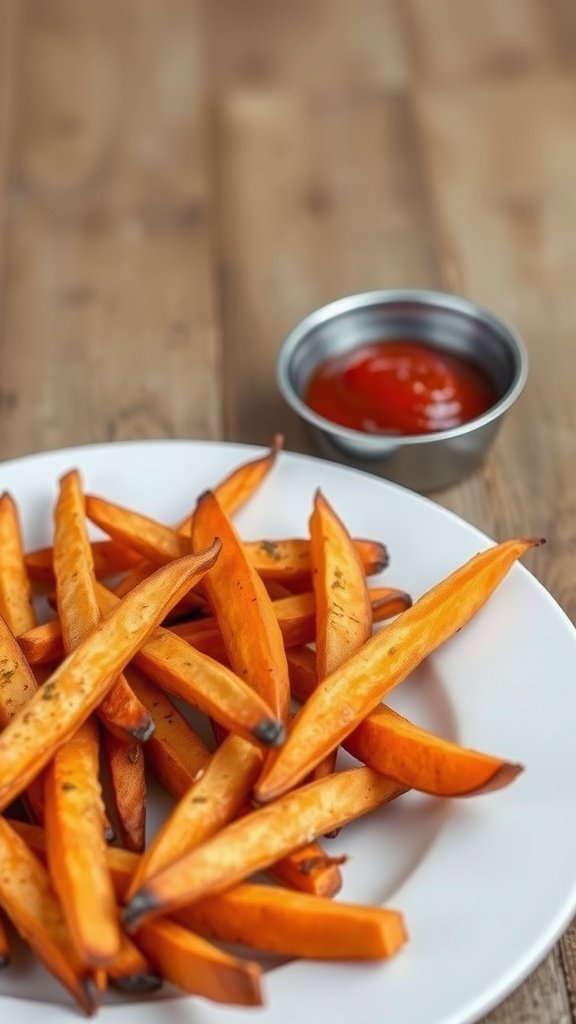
(399, 387)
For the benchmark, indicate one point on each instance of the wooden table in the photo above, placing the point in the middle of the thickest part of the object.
(181, 181)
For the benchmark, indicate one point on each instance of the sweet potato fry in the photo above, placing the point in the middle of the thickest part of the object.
(15, 590)
(296, 924)
(282, 561)
(127, 788)
(17, 685)
(77, 686)
(340, 703)
(17, 682)
(109, 558)
(74, 805)
(155, 542)
(78, 608)
(295, 614)
(310, 870)
(76, 849)
(201, 681)
(215, 798)
(130, 971)
(194, 965)
(4, 945)
(175, 752)
(43, 644)
(396, 747)
(254, 842)
(233, 491)
(343, 609)
(121, 863)
(244, 611)
(123, 714)
(27, 896)
(288, 561)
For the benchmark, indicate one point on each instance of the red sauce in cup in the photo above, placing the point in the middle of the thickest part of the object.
(399, 387)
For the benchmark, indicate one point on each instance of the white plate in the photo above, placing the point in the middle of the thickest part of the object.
(487, 884)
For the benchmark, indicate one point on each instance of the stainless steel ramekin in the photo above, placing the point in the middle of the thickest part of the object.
(424, 462)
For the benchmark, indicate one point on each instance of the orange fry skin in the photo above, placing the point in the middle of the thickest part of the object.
(289, 561)
(27, 896)
(343, 608)
(77, 686)
(244, 611)
(78, 608)
(109, 558)
(175, 753)
(281, 561)
(233, 491)
(15, 589)
(259, 839)
(309, 870)
(243, 482)
(17, 685)
(296, 924)
(17, 682)
(130, 971)
(394, 746)
(127, 787)
(215, 798)
(74, 823)
(43, 644)
(197, 967)
(341, 701)
(270, 918)
(74, 807)
(295, 614)
(204, 682)
(123, 714)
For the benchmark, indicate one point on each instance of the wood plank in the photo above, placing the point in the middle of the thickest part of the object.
(8, 45)
(567, 953)
(465, 41)
(316, 198)
(306, 44)
(505, 205)
(109, 329)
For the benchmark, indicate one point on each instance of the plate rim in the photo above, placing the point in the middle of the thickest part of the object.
(476, 1007)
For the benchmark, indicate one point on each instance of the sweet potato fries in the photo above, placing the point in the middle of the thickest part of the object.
(188, 668)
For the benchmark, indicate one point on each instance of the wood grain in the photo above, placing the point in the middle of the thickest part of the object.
(318, 230)
(307, 44)
(505, 205)
(462, 41)
(181, 181)
(110, 231)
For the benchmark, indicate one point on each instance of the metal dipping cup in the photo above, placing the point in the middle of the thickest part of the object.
(423, 462)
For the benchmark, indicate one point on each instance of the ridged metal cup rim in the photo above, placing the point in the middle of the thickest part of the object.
(382, 298)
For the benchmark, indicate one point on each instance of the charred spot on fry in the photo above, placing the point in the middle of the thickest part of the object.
(270, 732)
(141, 904)
(146, 731)
(138, 984)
